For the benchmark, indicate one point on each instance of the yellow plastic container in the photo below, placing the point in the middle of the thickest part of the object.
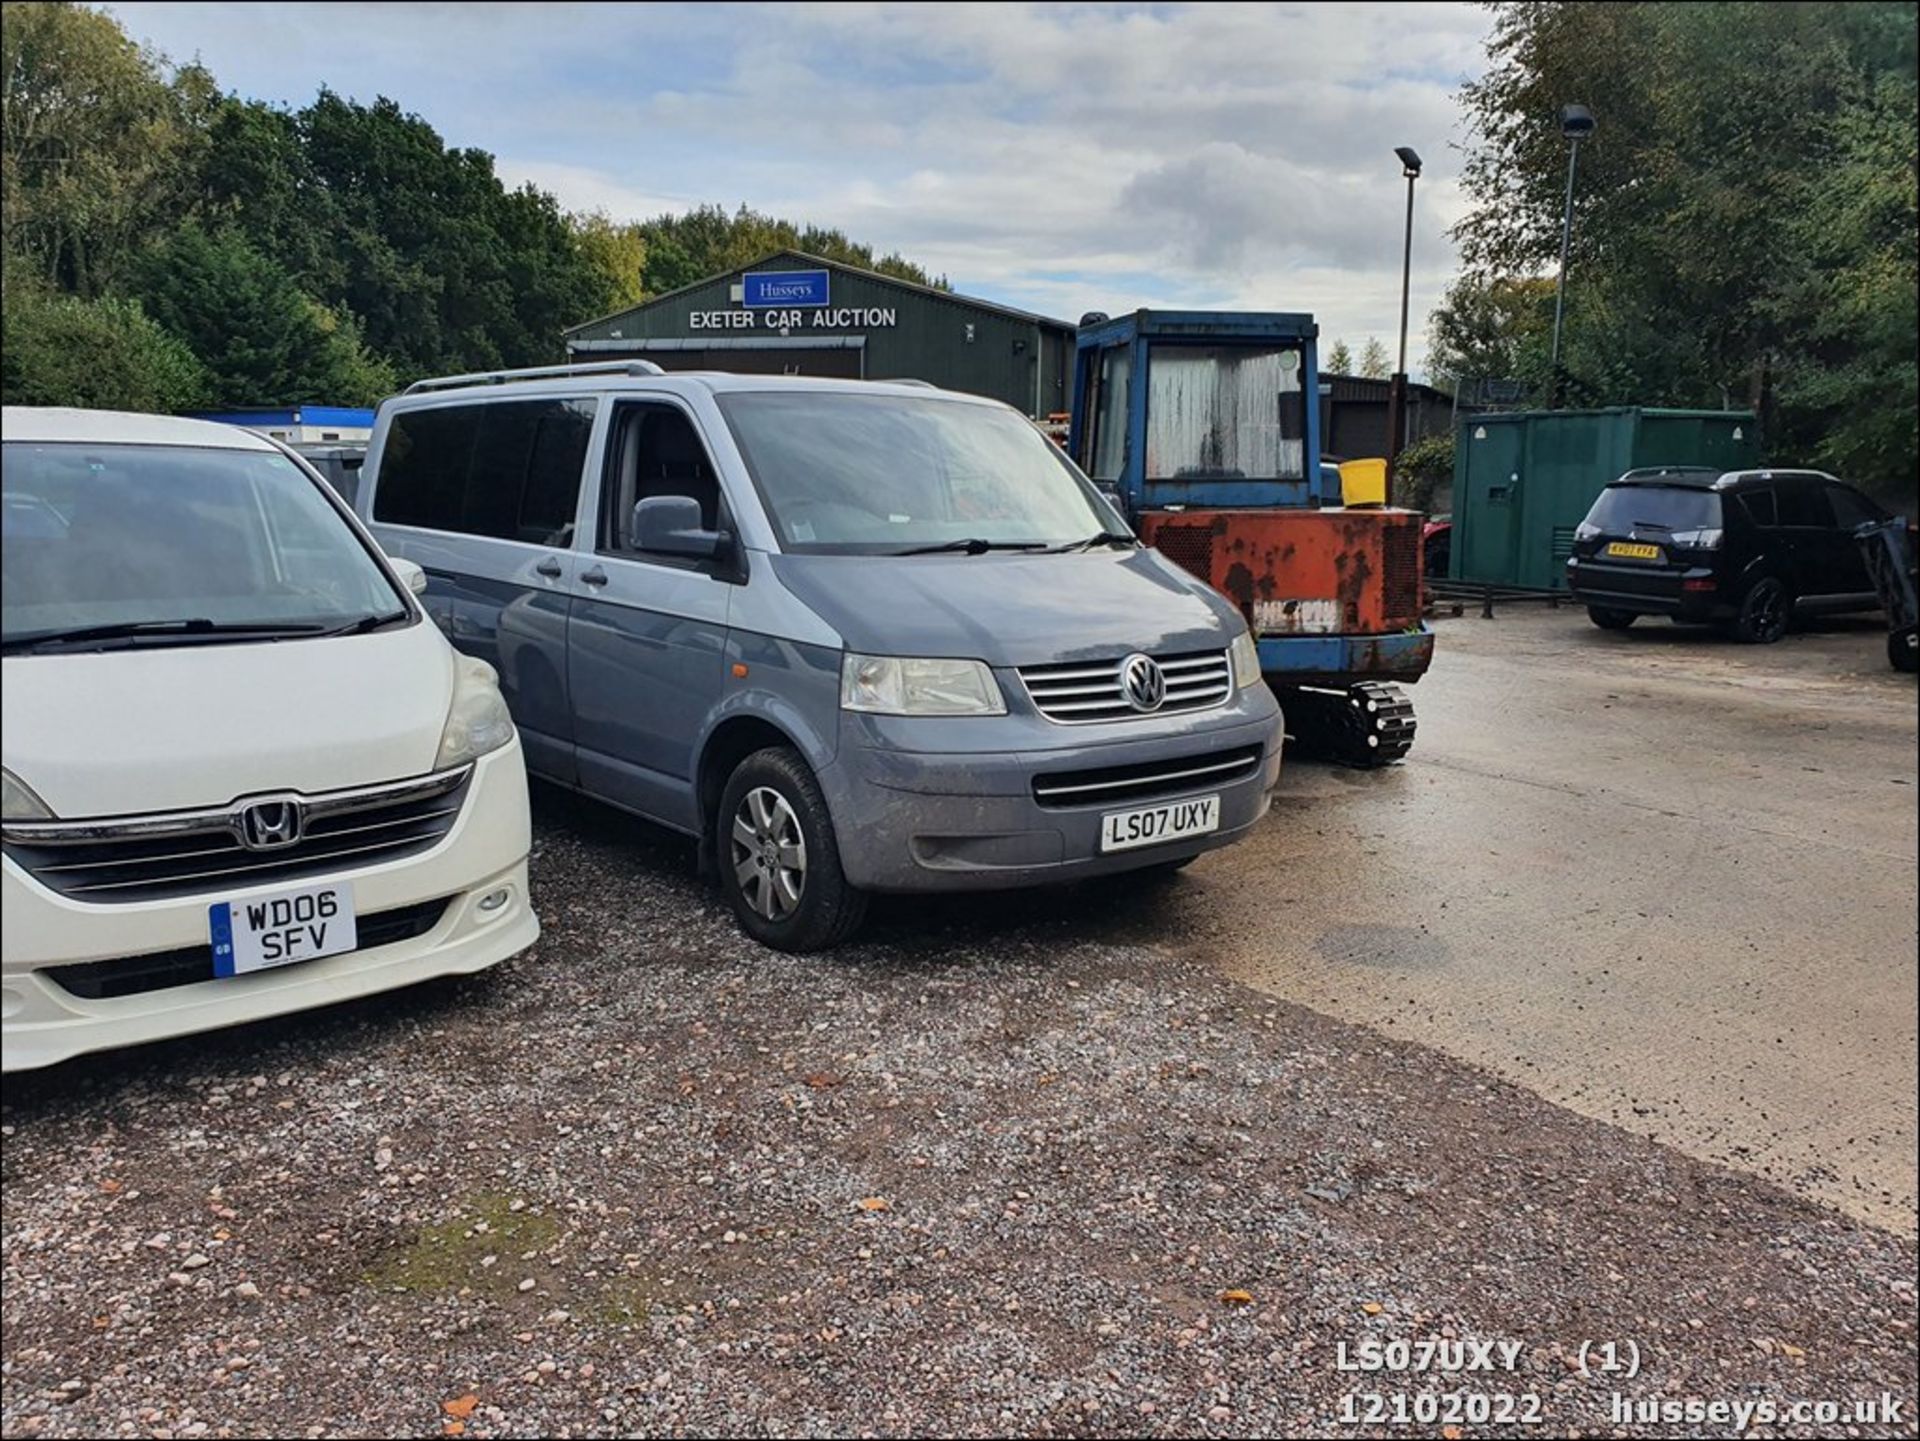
(1363, 482)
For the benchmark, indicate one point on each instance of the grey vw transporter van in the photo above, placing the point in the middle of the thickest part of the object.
(851, 636)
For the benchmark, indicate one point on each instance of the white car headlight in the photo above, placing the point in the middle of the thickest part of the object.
(477, 721)
(1246, 660)
(896, 685)
(18, 802)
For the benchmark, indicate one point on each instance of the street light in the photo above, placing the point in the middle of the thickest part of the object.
(1397, 387)
(1576, 123)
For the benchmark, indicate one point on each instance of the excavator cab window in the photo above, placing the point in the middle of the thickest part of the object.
(1225, 412)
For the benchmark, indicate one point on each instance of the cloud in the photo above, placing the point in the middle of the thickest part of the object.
(1056, 157)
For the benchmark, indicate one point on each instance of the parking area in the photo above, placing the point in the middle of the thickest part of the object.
(1661, 878)
(1109, 1159)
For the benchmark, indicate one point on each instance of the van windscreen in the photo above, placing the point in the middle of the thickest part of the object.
(878, 474)
(115, 545)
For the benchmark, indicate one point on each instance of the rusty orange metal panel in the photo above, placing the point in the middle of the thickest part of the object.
(1310, 571)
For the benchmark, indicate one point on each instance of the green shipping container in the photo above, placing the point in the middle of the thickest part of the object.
(1523, 481)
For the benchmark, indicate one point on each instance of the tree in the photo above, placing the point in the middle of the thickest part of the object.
(358, 245)
(1373, 360)
(1340, 359)
(1853, 361)
(1491, 329)
(101, 354)
(707, 240)
(262, 340)
(94, 143)
(618, 252)
(1421, 469)
(1743, 217)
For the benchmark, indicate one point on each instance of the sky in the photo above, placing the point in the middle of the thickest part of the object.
(1057, 158)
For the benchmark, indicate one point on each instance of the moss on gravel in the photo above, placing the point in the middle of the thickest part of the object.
(452, 1254)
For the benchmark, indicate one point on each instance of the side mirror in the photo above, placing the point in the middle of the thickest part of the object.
(411, 575)
(670, 525)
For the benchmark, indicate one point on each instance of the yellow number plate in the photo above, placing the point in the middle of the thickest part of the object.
(1629, 551)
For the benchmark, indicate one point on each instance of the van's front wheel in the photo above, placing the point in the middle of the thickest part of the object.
(779, 863)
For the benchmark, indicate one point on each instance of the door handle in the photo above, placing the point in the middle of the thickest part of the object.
(549, 567)
(596, 576)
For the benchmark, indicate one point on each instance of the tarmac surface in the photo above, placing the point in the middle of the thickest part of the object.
(1658, 877)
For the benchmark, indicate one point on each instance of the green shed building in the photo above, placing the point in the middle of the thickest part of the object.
(1522, 481)
(797, 314)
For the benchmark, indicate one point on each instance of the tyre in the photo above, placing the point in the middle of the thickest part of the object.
(1609, 619)
(778, 860)
(1903, 649)
(1763, 612)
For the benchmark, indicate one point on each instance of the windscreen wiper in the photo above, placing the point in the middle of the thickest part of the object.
(190, 629)
(1105, 537)
(973, 545)
(362, 625)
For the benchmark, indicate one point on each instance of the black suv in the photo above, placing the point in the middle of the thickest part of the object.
(1742, 548)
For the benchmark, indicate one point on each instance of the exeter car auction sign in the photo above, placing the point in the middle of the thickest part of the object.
(784, 301)
(857, 317)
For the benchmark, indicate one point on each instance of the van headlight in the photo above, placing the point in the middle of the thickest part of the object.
(477, 721)
(18, 802)
(897, 685)
(1246, 660)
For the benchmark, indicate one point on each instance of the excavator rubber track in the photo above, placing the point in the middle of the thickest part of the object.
(1365, 726)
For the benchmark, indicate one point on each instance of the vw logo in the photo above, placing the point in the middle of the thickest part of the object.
(270, 825)
(1143, 682)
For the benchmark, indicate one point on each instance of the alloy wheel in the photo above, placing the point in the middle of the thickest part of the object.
(769, 853)
(1767, 609)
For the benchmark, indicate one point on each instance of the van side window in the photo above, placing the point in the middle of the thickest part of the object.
(1760, 506)
(1801, 503)
(510, 471)
(654, 450)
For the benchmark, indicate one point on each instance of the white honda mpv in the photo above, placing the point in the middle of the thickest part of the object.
(244, 774)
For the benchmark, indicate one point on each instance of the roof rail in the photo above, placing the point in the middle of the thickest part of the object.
(909, 380)
(538, 372)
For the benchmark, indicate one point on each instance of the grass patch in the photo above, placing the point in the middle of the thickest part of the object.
(453, 1254)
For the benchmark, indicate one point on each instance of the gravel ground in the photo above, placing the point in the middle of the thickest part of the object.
(960, 1179)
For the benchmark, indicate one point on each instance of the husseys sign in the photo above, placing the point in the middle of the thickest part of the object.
(785, 300)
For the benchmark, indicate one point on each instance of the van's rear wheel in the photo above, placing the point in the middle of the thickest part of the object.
(1608, 618)
(779, 863)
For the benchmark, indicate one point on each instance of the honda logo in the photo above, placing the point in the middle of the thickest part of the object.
(1143, 682)
(270, 825)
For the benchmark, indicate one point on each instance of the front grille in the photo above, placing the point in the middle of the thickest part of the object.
(1146, 780)
(186, 853)
(1400, 573)
(1188, 546)
(136, 975)
(1082, 691)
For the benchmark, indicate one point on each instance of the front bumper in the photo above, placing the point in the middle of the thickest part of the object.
(958, 821)
(1401, 655)
(1643, 590)
(42, 1023)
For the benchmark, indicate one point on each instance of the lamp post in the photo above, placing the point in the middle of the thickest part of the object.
(1397, 387)
(1576, 123)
